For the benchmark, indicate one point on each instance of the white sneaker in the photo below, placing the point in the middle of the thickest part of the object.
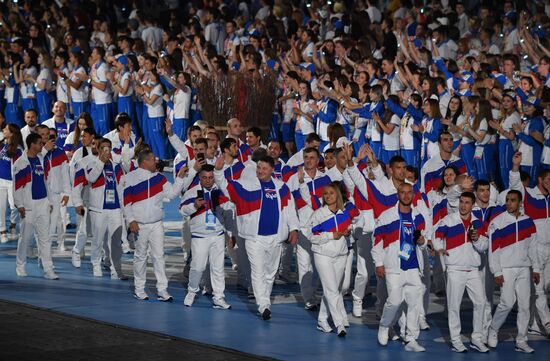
(141, 295)
(98, 272)
(51, 275)
(164, 296)
(116, 276)
(13, 234)
(478, 345)
(423, 324)
(524, 347)
(4, 238)
(235, 267)
(32, 253)
(492, 338)
(458, 346)
(534, 332)
(206, 291)
(220, 303)
(357, 310)
(61, 246)
(341, 331)
(126, 248)
(189, 299)
(413, 346)
(310, 306)
(324, 326)
(392, 335)
(75, 259)
(383, 335)
(20, 271)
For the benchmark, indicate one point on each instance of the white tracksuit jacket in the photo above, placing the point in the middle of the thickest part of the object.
(513, 243)
(197, 221)
(95, 176)
(22, 183)
(314, 199)
(536, 205)
(246, 195)
(321, 225)
(56, 170)
(80, 192)
(143, 194)
(122, 152)
(450, 235)
(387, 234)
(381, 194)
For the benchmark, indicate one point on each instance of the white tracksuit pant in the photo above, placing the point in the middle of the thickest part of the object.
(209, 250)
(150, 237)
(185, 238)
(457, 281)
(331, 272)
(438, 282)
(307, 274)
(82, 228)
(404, 286)
(285, 267)
(107, 233)
(539, 303)
(517, 285)
(231, 251)
(425, 276)
(365, 264)
(243, 263)
(6, 198)
(264, 253)
(57, 222)
(488, 281)
(346, 282)
(36, 221)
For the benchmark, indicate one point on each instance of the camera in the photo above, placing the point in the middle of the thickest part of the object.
(471, 230)
(159, 165)
(416, 235)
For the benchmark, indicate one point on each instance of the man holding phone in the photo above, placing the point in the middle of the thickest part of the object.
(81, 190)
(56, 168)
(459, 238)
(209, 214)
(105, 210)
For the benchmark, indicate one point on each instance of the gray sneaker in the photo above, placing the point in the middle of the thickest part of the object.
(524, 347)
(458, 346)
(51, 275)
(164, 296)
(220, 303)
(492, 338)
(75, 259)
(189, 299)
(478, 345)
(141, 295)
(413, 346)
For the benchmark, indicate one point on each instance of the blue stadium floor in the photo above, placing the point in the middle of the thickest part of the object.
(290, 335)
